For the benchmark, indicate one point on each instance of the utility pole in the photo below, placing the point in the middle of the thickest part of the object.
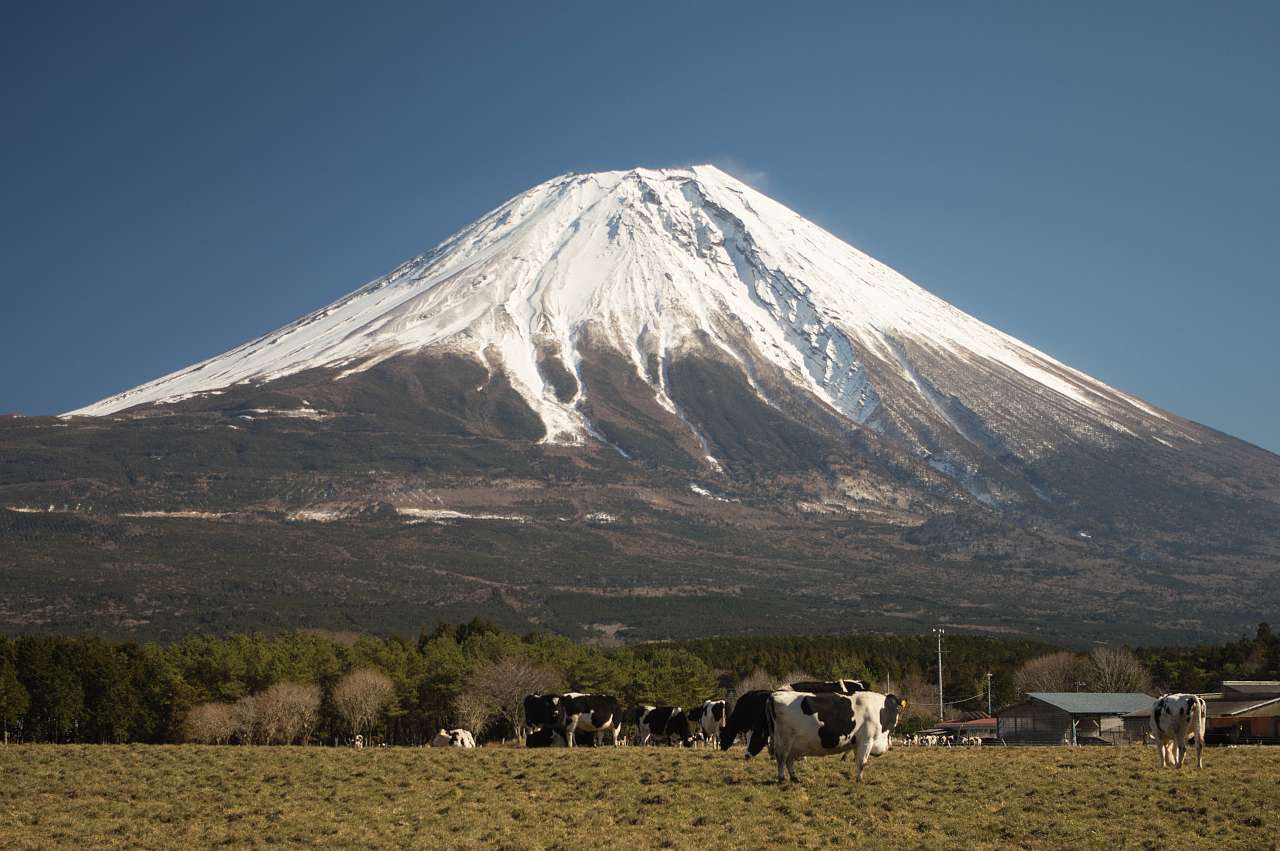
(938, 631)
(988, 693)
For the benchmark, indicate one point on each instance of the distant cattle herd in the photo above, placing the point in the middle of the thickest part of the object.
(808, 718)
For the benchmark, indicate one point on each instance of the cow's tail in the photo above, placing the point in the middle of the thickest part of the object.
(770, 722)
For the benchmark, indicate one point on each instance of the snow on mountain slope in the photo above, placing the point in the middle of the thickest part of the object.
(654, 261)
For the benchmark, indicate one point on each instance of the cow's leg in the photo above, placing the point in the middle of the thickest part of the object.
(861, 755)
(782, 765)
(1199, 751)
(791, 769)
(570, 727)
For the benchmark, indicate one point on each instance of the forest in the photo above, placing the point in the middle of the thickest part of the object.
(317, 687)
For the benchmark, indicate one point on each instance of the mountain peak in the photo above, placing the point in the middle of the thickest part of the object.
(649, 262)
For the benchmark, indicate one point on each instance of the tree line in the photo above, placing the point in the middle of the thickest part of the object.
(322, 687)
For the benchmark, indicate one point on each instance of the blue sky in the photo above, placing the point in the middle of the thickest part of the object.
(1098, 179)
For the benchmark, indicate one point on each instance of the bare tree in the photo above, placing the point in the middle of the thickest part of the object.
(288, 712)
(210, 724)
(246, 720)
(1117, 669)
(921, 692)
(503, 684)
(794, 676)
(1061, 671)
(360, 696)
(472, 711)
(757, 680)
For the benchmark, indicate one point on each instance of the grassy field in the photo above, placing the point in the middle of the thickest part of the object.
(190, 796)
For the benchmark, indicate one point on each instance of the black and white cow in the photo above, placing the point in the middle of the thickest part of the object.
(828, 686)
(457, 738)
(711, 718)
(591, 713)
(803, 724)
(665, 725)
(749, 718)
(1174, 719)
(543, 710)
(545, 737)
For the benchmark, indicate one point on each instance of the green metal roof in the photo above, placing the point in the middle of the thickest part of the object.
(1095, 702)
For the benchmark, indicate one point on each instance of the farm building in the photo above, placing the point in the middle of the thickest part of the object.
(978, 725)
(1241, 711)
(1072, 717)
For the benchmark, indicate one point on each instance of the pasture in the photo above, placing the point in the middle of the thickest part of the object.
(990, 797)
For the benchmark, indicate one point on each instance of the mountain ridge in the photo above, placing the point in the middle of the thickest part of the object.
(654, 398)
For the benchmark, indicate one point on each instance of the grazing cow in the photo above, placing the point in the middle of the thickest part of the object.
(454, 739)
(711, 718)
(665, 724)
(828, 686)
(803, 724)
(591, 713)
(1174, 719)
(749, 717)
(545, 737)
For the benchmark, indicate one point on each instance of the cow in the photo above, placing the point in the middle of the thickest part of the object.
(359, 742)
(545, 737)
(453, 739)
(802, 724)
(591, 713)
(1174, 719)
(543, 710)
(828, 686)
(665, 724)
(749, 718)
(711, 718)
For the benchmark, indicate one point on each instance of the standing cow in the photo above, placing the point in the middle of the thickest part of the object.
(711, 718)
(591, 713)
(803, 724)
(542, 710)
(664, 725)
(749, 718)
(1175, 718)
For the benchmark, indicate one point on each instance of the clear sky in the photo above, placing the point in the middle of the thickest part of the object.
(1101, 180)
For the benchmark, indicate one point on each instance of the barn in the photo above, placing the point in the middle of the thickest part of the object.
(1244, 711)
(1070, 718)
(1239, 712)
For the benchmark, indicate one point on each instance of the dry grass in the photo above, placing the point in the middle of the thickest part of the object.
(191, 796)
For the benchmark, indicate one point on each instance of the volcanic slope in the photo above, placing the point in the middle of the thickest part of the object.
(644, 403)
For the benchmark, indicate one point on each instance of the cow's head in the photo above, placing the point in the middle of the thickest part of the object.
(728, 735)
(891, 712)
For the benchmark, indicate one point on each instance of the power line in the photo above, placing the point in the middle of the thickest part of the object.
(965, 699)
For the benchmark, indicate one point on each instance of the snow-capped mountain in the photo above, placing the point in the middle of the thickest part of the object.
(655, 398)
(653, 263)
